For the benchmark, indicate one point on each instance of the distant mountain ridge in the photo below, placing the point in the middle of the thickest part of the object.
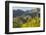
(20, 12)
(17, 12)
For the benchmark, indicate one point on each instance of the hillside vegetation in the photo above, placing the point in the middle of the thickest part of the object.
(30, 22)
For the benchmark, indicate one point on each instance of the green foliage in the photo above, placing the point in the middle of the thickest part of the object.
(30, 22)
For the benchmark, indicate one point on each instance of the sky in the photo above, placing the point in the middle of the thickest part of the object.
(23, 8)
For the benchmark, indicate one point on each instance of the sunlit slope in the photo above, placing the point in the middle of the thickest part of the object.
(32, 22)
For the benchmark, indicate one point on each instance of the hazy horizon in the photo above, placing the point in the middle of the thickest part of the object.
(22, 8)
